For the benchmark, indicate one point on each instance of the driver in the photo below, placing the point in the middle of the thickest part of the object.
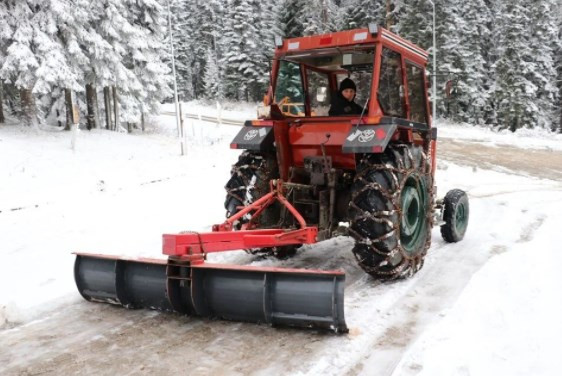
(342, 103)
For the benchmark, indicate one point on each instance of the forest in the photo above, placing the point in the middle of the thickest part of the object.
(499, 63)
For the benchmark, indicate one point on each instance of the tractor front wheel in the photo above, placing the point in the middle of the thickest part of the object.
(455, 216)
(391, 211)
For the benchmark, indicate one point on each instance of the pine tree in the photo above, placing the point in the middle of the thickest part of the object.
(291, 18)
(5, 35)
(544, 43)
(559, 65)
(150, 18)
(182, 24)
(413, 21)
(360, 13)
(319, 17)
(267, 32)
(211, 77)
(26, 54)
(242, 59)
(464, 38)
(514, 92)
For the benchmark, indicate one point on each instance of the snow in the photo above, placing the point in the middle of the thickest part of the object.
(507, 321)
(493, 303)
(524, 138)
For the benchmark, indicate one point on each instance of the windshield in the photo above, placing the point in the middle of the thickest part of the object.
(322, 71)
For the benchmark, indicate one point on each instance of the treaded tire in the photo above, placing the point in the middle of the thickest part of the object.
(390, 242)
(455, 215)
(249, 181)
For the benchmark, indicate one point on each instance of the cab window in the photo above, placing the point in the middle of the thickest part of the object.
(318, 92)
(416, 93)
(391, 89)
(289, 88)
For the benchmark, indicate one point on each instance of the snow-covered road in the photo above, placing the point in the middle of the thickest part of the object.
(118, 193)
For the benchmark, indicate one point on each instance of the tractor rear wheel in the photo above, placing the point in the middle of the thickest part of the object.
(249, 181)
(391, 211)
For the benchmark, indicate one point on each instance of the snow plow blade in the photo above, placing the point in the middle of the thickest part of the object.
(275, 296)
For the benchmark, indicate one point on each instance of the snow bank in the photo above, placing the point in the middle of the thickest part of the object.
(524, 138)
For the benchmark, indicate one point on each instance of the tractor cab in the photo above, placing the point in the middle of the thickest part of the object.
(388, 71)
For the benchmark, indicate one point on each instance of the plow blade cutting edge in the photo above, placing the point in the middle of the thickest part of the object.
(276, 296)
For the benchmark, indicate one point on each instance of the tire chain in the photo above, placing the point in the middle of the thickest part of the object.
(409, 265)
(258, 166)
(241, 172)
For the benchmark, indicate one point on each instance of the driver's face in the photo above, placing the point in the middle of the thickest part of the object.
(348, 94)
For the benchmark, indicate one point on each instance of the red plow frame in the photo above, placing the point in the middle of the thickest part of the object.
(193, 245)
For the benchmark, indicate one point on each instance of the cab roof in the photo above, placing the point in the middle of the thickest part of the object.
(349, 39)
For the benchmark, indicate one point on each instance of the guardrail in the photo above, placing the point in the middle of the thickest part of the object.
(209, 119)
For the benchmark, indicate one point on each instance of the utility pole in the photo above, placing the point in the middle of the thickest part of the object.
(434, 85)
(1, 102)
(178, 122)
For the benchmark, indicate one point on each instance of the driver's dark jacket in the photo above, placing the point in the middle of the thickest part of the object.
(341, 106)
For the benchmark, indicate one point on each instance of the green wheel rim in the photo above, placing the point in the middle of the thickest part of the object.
(461, 219)
(412, 222)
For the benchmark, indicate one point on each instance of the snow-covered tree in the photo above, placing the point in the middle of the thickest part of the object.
(544, 42)
(320, 17)
(515, 92)
(360, 13)
(182, 25)
(242, 59)
(149, 17)
(558, 54)
(464, 38)
(291, 18)
(212, 78)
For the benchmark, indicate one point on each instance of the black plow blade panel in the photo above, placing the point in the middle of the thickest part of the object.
(130, 283)
(279, 297)
(274, 296)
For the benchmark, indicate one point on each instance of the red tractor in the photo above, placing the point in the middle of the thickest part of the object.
(303, 179)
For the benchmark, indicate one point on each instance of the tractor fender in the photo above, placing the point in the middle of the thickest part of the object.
(369, 138)
(254, 138)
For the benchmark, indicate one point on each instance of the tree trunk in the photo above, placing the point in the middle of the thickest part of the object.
(116, 108)
(68, 106)
(2, 120)
(28, 107)
(96, 109)
(142, 121)
(389, 18)
(91, 119)
(107, 101)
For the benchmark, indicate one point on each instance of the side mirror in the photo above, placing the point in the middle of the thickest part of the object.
(321, 94)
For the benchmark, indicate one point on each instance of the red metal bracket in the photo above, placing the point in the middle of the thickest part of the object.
(194, 245)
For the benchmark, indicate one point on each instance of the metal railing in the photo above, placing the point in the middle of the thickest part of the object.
(210, 119)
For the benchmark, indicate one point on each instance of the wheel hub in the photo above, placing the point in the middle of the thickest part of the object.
(413, 215)
(461, 220)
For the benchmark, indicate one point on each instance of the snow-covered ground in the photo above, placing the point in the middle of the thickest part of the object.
(494, 305)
